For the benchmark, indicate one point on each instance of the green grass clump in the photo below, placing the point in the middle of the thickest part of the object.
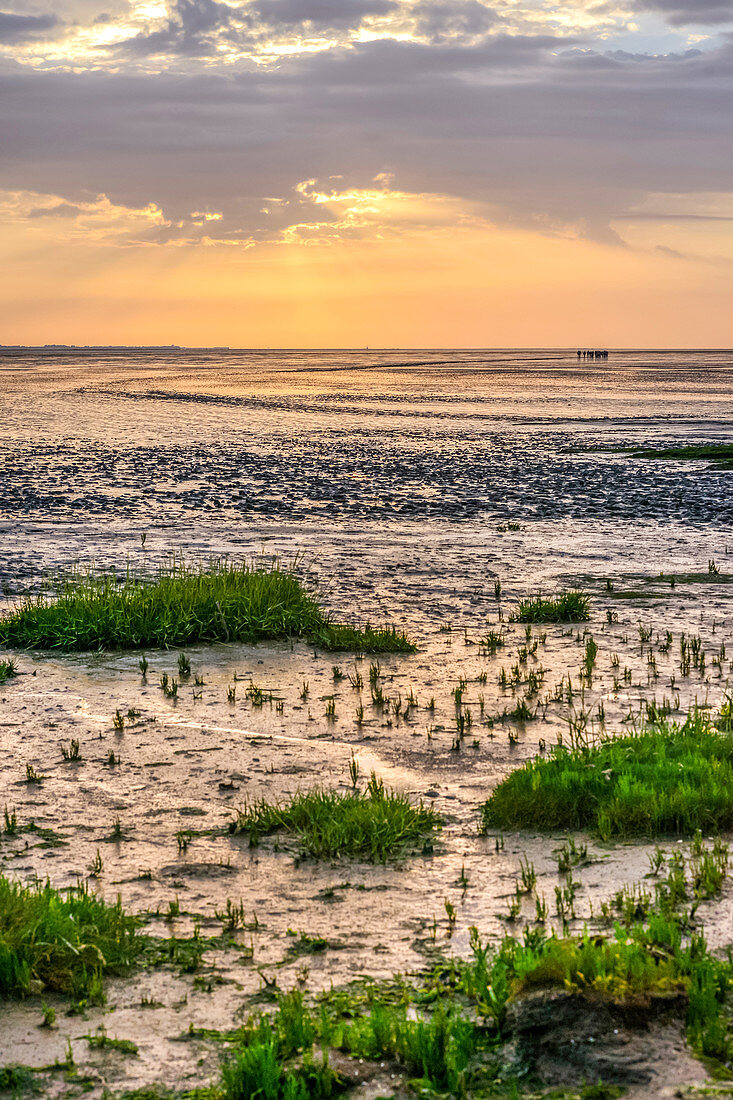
(566, 607)
(366, 639)
(719, 453)
(670, 778)
(181, 605)
(637, 961)
(623, 967)
(654, 949)
(435, 1047)
(103, 1041)
(274, 1057)
(371, 825)
(257, 1072)
(656, 958)
(16, 1080)
(67, 943)
(8, 669)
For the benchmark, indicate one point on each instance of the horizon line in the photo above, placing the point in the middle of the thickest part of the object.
(358, 348)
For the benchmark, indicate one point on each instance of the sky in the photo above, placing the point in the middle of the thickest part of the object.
(342, 173)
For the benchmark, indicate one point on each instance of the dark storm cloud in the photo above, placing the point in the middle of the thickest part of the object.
(682, 12)
(529, 129)
(15, 29)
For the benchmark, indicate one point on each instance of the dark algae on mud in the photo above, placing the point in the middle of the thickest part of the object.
(721, 454)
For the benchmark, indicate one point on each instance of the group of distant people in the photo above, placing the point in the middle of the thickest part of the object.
(593, 354)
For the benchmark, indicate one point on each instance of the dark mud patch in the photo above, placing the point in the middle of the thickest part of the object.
(366, 1080)
(197, 870)
(567, 1040)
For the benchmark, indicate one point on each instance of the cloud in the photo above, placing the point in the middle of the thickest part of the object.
(24, 28)
(464, 20)
(95, 220)
(341, 14)
(192, 29)
(536, 130)
(682, 12)
(202, 28)
(156, 35)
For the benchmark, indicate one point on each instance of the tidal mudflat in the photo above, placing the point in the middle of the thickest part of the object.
(433, 493)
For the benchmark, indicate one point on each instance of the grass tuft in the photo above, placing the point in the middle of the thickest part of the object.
(566, 607)
(371, 825)
(181, 605)
(668, 779)
(66, 943)
(8, 669)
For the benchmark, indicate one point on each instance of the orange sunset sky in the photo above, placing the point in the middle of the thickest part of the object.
(381, 172)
